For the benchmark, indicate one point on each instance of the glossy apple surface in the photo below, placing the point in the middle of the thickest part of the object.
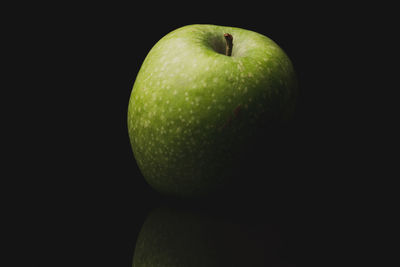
(194, 110)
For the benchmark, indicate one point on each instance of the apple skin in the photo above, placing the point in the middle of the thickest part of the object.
(194, 112)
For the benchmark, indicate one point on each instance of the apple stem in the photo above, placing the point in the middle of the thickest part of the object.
(229, 44)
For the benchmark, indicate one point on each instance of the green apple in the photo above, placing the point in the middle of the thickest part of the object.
(201, 96)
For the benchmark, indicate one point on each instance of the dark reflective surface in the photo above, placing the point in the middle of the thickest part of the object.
(175, 234)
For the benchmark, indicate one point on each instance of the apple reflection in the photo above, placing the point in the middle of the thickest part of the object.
(177, 236)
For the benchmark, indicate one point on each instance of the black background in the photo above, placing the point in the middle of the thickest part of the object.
(90, 199)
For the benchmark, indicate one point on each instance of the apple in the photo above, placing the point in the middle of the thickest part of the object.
(201, 99)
